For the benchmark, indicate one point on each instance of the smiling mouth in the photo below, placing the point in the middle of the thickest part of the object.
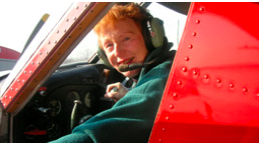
(127, 61)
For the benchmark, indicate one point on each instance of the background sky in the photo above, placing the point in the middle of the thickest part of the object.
(18, 19)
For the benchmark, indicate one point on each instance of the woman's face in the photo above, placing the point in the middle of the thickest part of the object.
(124, 44)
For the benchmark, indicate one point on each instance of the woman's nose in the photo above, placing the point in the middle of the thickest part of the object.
(118, 49)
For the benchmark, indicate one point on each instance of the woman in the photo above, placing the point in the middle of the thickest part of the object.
(123, 40)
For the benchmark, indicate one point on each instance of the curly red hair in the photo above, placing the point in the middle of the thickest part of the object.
(121, 12)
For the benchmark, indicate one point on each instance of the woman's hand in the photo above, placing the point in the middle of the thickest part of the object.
(116, 91)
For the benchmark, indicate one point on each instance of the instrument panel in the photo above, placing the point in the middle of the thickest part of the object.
(48, 114)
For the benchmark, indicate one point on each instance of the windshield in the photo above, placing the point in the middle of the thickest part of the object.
(84, 50)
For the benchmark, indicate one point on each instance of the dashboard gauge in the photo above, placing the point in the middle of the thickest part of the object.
(55, 106)
(71, 97)
(88, 97)
(53, 130)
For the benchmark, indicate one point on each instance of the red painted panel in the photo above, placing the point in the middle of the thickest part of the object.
(212, 94)
(10, 54)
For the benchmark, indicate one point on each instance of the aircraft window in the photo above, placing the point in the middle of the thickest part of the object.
(174, 22)
(84, 50)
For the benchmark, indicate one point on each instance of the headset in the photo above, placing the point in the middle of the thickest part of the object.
(153, 34)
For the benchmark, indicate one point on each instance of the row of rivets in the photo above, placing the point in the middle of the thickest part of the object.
(41, 53)
(218, 80)
(65, 30)
(67, 20)
(184, 69)
(25, 72)
(18, 81)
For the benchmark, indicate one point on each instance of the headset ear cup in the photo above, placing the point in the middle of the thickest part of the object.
(101, 54)
(153, 33)
(157, 32)
(146, 33)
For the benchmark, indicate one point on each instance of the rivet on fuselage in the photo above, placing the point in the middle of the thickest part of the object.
(231, 85)
(219, 81)
(190, 46)
(184, 69)
(175, 95)
(245, 89)
(201, 9)
(186, 58)
(195, 72)
(171, 106)
(179, 82)
(197, 21)
(194, 33)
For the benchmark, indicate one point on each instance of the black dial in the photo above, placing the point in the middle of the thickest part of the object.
(55, 106)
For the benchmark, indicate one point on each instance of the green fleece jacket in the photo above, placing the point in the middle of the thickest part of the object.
(132, 117)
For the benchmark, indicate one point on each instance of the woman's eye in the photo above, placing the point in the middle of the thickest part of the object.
(108, 46)
(126, 38)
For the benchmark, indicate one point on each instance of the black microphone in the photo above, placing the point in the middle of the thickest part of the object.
(128, 67)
